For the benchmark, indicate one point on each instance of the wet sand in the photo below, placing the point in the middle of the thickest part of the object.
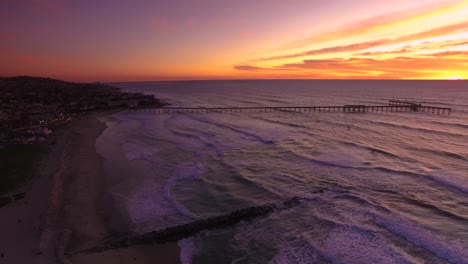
(63, 210)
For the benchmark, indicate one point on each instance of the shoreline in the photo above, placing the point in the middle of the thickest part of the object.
(63, 210)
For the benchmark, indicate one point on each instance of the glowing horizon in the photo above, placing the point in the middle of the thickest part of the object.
(140, 40)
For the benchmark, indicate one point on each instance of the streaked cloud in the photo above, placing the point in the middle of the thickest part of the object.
(454, 44)
(397, 51)
(249, 68)
(397, 67)
(372, 64)
(464, 54)
(373, 23)
(336, 49)
(429, 45)
(435, 32)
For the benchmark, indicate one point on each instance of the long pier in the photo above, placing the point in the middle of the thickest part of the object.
(393, 106)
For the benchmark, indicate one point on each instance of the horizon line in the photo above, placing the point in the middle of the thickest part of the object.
(252, 79)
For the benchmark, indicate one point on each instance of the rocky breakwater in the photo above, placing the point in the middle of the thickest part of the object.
(179, 232)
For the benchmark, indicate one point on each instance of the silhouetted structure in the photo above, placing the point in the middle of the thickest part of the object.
(393, 106)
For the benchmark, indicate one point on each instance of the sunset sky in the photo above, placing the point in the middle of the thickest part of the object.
(137, 40)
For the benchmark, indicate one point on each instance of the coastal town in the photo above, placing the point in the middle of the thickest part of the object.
(32, 109)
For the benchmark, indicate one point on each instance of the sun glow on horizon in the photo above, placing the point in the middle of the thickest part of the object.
(455, 78)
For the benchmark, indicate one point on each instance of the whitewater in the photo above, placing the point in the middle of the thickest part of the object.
(395, 184)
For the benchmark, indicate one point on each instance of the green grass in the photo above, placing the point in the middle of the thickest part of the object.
(18, 164)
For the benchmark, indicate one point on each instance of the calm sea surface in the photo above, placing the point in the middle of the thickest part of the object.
(396, 184)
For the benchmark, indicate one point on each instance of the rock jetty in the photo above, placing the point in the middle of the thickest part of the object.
(179, 232)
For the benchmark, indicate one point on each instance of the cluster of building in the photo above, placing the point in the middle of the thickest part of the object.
(32, 108)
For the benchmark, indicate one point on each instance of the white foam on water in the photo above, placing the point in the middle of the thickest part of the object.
(304, 254)
(171, 128)
(182, 171)
(151, 200)
(134, 151)
(355, 245)
(451, 179)
(449, 249)
(146, 202)
(187, 249)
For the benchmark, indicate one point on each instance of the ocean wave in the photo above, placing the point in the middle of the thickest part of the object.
(183, 134)
(350, 236)
(133, 151)
(275, 101)
(212, 143)
(439, 209)
(279, 122)
(349, 244)
(451, 124)
(420, 129)
(439, 152)
(450, 179)
(180, 172)
(299, 254)
(375, 150)
(234, 129)
(242, 187)
(145, 202)
(249, 102)
(337, 159)
(354, 124)
(448, 249)
(340, 230)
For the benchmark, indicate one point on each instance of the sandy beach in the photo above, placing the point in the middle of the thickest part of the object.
(63, 210)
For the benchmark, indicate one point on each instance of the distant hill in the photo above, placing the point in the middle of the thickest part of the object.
(31, 83)
(52, 96)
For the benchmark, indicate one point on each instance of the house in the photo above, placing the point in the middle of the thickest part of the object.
(38, 118)
(39, 130)
(131, 103)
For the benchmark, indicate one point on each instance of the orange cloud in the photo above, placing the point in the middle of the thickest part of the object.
(429, 45)
(429, 66)
(454, 44)
(350, 47)
(397, 51)
(435, 32)
(399, 67)
(373, 23)
(249, 68)
(464, 54)
(366, 63)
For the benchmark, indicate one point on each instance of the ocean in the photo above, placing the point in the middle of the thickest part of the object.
(395, 184)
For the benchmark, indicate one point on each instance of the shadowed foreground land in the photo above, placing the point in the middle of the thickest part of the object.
(18, 164)
(63, 211)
